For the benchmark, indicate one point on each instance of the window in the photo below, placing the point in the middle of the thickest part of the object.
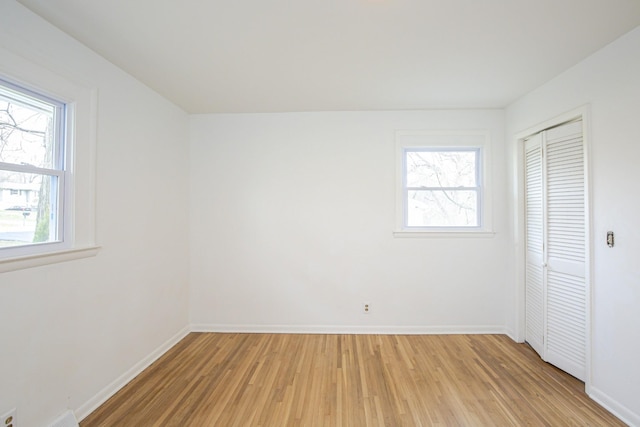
(441, 187)
(32, 167)
(441, 182)
(47, 161)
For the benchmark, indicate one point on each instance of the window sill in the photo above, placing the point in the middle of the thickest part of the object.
(37, 260)
(439, 234)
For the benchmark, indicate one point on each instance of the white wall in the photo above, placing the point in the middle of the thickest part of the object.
(68, 330)
(610, 82)
(291, 228)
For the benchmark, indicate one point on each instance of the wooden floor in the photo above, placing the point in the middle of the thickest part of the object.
(350, 380)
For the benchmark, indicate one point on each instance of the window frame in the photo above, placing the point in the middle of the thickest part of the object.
(434, 141)
(58, 169)
(477, 188)
(43, 77)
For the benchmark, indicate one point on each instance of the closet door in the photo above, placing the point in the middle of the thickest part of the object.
(556, 280)
(534, 215)
(566, 285)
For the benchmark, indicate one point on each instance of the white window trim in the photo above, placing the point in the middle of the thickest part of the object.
(445, 139)
(81, 100)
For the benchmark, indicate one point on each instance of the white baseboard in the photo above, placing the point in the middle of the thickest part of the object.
(354, 329)
(67, 419)
(83, 411)
(511, 334)
(625, 414)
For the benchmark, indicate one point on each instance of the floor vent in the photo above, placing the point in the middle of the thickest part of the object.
(65, 420)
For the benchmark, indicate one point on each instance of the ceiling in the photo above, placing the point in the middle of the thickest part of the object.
(212, 56)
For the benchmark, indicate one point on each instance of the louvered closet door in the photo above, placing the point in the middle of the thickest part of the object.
(555, 277)
(534, 212)
(566, 286)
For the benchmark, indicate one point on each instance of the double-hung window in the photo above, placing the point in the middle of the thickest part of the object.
(442, 187)
(48, 118)
(32, 168)
(441, 182)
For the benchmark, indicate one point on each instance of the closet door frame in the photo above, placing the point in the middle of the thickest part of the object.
(581, 113)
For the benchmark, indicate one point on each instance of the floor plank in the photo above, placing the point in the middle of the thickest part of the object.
(350, 380)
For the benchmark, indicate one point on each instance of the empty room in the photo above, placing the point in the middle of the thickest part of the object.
(332, 213)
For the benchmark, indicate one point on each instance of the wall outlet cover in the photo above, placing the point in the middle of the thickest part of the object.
(8, 419)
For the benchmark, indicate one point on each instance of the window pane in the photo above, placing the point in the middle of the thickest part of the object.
(454, 208)
(26, 130)
(27, 208)
(441, 168)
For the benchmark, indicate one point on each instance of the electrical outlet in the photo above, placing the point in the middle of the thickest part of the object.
(366, 307)
(9, 419)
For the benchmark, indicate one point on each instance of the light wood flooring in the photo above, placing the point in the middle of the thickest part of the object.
(350, 380)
